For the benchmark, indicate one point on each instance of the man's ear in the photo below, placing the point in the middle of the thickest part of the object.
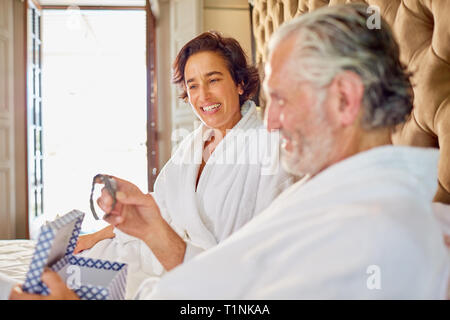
(351, 91)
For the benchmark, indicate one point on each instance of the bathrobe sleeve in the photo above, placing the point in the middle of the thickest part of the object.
(159, 196)
(191, 249)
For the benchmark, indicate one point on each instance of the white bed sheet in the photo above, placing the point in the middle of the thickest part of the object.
(15, 258)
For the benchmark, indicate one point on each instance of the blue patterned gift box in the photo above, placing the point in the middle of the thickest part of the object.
(54, 249)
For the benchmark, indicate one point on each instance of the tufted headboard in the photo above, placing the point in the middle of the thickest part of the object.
(422, 28)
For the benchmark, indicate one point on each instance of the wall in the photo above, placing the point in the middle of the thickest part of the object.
(7, 163)
(232, 18)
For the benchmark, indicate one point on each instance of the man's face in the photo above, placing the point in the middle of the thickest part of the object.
(301, 112)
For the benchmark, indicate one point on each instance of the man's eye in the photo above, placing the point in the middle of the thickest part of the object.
(192, 87)
(214, 80)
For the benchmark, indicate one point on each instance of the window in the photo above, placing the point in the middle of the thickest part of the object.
(34, 114)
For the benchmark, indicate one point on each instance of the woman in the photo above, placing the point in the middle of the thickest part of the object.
(220, 177)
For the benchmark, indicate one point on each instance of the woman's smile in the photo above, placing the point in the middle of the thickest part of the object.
(211, 108)
(211, 90)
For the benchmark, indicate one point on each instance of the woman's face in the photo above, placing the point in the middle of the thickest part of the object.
(211, 90)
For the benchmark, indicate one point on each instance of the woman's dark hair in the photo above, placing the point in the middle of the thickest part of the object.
(230, 50)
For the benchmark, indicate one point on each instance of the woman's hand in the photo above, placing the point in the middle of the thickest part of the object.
(87, 241)
(57, 287)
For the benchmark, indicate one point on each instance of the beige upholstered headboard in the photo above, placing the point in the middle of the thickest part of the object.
(422, 28)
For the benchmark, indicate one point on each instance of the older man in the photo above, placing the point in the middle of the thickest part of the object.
(360, 224)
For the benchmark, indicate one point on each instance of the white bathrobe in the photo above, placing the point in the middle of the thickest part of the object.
(361, 229)
(6, 285)
(240, 179)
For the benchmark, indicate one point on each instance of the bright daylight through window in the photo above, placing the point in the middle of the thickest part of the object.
(94, 104)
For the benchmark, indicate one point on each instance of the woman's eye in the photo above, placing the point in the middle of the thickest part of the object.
(192, 87)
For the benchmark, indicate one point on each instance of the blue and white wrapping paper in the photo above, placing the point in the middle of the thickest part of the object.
(99, 279)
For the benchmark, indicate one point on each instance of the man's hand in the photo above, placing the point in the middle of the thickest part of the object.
(138, 215)
(57, 287)
(135, 213)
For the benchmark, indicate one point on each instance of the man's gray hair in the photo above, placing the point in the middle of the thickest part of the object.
(336, 38)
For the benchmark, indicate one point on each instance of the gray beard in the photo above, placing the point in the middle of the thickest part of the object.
(312, 155)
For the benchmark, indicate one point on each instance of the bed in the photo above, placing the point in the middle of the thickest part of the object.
(15, 255)
(427, 53)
